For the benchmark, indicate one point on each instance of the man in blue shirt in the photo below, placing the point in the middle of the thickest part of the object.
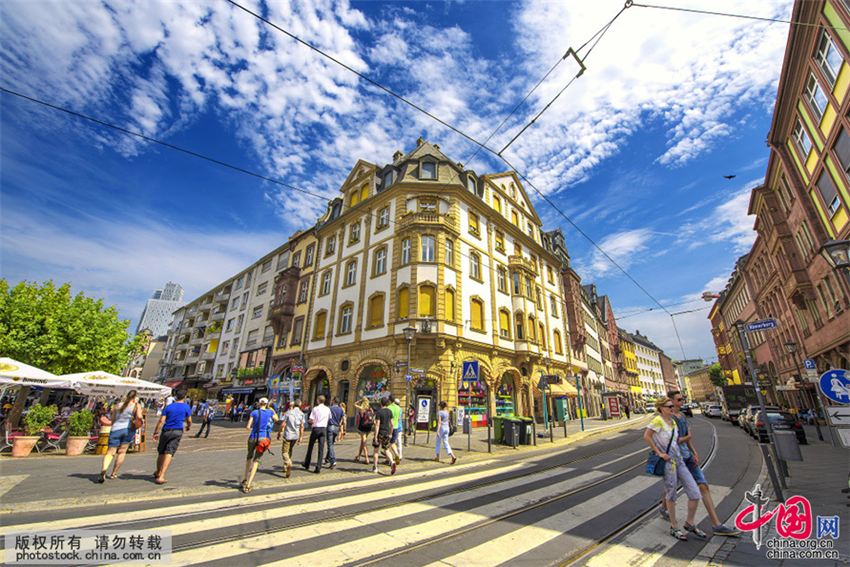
(260, 424)
(174, 416)
(336, 427)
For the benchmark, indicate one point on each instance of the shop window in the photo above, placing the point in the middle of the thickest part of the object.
(505, 396)
(471, 396)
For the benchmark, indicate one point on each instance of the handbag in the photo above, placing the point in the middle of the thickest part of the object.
(654, 463)
(135, 422)
(265, 443)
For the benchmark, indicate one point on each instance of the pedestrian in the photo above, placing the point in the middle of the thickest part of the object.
(382, 439)
(208, 415)
(663, 432)
(691, 459)
(175, 416)
(121, 434)
(411, 422)
(292, 430)
(364, 420)
(319, 417)
(260, 424)
(336, 429)
(443, 432)
(398, 428)
(168, 401)
(628, 411)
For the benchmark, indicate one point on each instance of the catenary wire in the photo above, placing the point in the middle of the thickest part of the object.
(584, 234)
(743, 16)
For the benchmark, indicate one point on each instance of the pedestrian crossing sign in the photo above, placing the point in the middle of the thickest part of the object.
(470, 371)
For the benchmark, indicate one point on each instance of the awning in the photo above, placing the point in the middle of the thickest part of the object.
(564, 390)
(246, 390)
(172, 384)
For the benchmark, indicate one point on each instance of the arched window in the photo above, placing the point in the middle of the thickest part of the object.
(519, 326)
(427, 301)
(403, 303)
(351, 273)
(380, 264)
(542, 336)
(376, 310)
(532, 329)
(504, 324)
(319, 330)
(364, 192)
(477, 314)
(556, 338)
(497, 204)
(450, 304)
(345, 318)
(326, 283)
(428, 246)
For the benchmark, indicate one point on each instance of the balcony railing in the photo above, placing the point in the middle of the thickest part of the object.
(208, 356)
(518, 262)
(429, 218)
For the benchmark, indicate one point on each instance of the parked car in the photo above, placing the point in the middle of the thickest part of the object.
(649, 408)
(749, 423)
(780, 421)
(713, 411)
(743, 417)
(686, 409)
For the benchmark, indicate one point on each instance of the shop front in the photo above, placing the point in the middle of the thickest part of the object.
(320, 386)
(424, 392)
(284, 389)
(373, 384)
(506, 396)
(472, 401)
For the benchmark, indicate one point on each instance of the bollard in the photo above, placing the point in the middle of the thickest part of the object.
(489, 448)
(534, 431)
(565, 429)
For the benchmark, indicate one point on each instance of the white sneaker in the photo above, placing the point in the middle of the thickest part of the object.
(374, 469)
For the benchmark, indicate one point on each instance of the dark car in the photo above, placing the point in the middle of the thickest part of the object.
(748, 423)
(780, 421)
(686, 409)
(743, 418)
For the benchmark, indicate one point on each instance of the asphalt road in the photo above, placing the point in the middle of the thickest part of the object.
(525, 508)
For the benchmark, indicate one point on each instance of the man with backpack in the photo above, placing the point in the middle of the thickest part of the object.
(208, 416)
(260, 424)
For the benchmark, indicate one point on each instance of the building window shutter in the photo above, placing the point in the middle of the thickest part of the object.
(403, 303)
(427, 301)
(377, 311)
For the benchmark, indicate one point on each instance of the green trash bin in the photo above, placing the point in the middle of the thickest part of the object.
(498, 429)
(526, 437)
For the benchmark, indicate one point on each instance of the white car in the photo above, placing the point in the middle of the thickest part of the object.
(713, 411)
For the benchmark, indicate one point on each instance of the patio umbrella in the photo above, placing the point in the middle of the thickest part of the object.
(106, 384)
(14, 373)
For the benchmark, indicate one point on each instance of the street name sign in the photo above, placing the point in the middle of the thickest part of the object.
(470, 371)
(762, 325)
(836, 386)
(400, 364)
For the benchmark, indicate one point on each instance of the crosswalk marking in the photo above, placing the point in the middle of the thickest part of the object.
(240, 501)
(399, 537)
(8, 482)
(642, 451)
(508, 547)
(647, 545)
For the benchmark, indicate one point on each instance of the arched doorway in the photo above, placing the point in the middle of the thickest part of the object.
(320, 386)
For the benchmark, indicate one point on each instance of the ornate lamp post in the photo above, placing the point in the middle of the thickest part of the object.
(791, 348)
(409, 334)
(837, 255)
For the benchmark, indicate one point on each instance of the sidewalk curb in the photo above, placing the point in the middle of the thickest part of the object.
(181, 492)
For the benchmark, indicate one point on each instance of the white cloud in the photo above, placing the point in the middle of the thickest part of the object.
(625, 248)
(121, 261)
(728, 222)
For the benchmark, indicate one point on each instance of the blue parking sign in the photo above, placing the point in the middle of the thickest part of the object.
(809, 364)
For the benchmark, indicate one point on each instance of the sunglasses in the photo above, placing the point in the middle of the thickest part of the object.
(670, 406)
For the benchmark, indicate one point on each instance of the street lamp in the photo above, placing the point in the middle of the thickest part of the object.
(837, 255)
(791, 348)
(409, 334)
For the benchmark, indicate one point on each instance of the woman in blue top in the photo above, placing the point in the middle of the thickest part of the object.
(260, 425)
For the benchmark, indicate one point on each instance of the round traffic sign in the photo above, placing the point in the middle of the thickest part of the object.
(836, 386)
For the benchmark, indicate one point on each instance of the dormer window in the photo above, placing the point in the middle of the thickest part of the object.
(470, 184)
(388, 178)
(428, 170)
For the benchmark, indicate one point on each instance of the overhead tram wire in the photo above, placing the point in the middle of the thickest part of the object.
(742, 16)
(160, 142)
(598, 36)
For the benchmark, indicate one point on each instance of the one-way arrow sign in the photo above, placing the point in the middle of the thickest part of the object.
(838, 415)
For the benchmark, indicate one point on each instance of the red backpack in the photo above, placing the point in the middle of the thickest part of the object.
(367, 418)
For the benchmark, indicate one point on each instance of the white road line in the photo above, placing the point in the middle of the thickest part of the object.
(239, 501)
(646, 545)
(644, 451)
(507, 548)
(9, 482)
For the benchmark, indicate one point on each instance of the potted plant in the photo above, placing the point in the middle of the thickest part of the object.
(38, 417)
(78, 426)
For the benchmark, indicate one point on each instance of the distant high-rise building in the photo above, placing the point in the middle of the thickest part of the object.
(156, 315)
(170, 292)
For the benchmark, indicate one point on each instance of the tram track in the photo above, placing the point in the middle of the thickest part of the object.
(266, 530)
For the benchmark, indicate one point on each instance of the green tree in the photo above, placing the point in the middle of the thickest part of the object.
(48, 328)
(715, 374)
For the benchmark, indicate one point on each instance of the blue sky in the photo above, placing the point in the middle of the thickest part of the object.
(634, 151)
